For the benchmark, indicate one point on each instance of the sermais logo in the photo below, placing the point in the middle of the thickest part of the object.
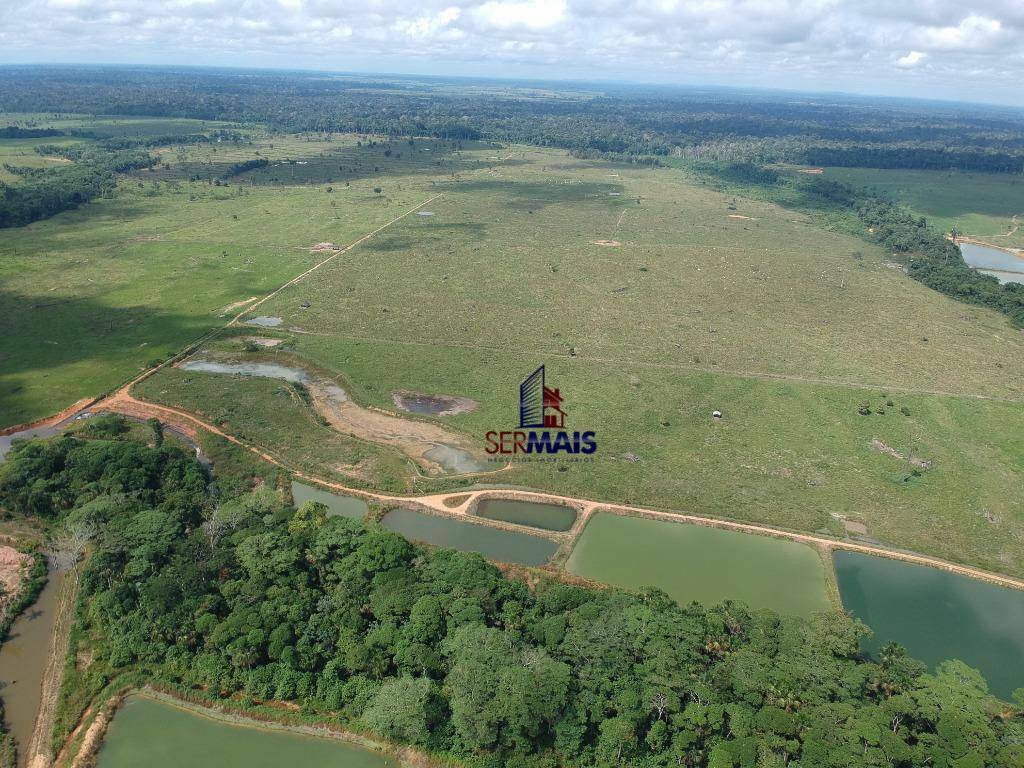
(541, 424)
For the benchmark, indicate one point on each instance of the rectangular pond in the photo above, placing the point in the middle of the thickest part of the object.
(702, 564)
(150, 733)
(937, 615)
(550, 517)
(338, 504)
(492, 543)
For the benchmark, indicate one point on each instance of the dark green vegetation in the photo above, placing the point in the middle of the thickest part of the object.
(439, 649)
(551, 517)
(937, 615)
(980, 205)
(44, 192)
(159, 735)
(636, 121)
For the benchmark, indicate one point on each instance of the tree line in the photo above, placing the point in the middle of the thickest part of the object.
(251, 599)
(43, 192)
(626, 120)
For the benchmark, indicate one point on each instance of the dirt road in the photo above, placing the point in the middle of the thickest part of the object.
(461, 503)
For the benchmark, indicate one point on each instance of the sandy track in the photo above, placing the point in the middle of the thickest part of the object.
(123, 402)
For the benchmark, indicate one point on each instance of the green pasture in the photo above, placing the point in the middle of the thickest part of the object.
(706, 302)
(979, 204)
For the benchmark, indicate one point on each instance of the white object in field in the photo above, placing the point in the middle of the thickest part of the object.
(716, 414)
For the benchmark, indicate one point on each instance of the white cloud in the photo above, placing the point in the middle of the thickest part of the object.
(868, 45)
(531, 14)
(912, 59)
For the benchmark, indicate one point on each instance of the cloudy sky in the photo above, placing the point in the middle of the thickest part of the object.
(955, 49)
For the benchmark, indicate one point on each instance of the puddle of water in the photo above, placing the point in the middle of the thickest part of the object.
(266, 322)
(23, 661)
(432, 405)
(492, 543)
(454, 460)
(550, 517)
(337, 504)
(263, 370)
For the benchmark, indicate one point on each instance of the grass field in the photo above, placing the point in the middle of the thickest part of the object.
(91, 296)
(981, 205)
(693, 303)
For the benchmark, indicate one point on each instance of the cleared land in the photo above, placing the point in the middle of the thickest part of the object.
(91, 296)
(790, 330)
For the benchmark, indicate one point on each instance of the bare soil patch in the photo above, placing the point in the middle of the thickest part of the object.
(417, 439)
(13, 565)
(881, 447)
(262, 341)
(236, 305)
(812, 171)
(738, 216)
(609, 243)
(320, 247)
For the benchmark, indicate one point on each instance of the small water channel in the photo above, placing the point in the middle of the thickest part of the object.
(262, 370)
(550, 517)
(492, 543)
(338, 505)
(992, 261)
(23, 658)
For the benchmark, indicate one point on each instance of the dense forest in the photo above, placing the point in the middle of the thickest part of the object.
(711, 124)
(249, 598)
(44, 192)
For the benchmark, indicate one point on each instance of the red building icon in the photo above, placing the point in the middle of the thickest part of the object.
(554, 416)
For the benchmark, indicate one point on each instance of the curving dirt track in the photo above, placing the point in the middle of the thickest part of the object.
(460, 503)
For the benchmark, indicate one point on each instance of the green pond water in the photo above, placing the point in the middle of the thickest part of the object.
(551, 517)
(154, 734)
(492, 543)
(339, 505)
(937, 615)
(697, 563)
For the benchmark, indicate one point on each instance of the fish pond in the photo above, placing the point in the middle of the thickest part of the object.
(937, 615)
(550, 517)
(159, 735)
(993, 261)
(492, 543)
(702, 564)
(338, 505)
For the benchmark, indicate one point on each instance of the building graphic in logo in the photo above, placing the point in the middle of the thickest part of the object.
(539, 404)
(541, 424)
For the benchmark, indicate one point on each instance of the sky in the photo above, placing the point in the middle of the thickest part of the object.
(961, 50)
